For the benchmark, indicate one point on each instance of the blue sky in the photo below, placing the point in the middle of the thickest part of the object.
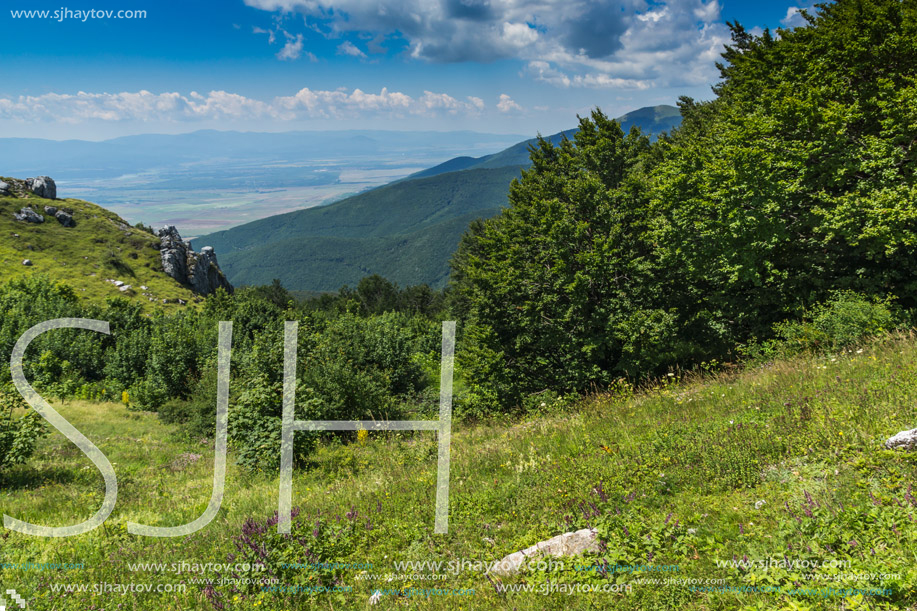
(507, 66)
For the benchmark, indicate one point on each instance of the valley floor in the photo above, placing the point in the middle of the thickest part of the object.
(765, 489)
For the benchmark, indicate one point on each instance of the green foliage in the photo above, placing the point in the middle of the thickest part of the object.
(348, 368)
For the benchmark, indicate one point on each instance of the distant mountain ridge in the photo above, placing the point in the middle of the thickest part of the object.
(651, 119)
(406, 230)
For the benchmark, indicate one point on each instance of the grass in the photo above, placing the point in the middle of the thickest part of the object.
(671, 475)
(102, 246)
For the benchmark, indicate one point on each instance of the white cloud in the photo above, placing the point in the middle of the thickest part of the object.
(348, 48)
(292, 49)
(271, 37)
(506, 104)
(794, 18)
(588, 43)
(145, 106)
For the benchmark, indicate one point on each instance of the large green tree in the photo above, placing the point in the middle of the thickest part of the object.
(798, 179)
(560, 291)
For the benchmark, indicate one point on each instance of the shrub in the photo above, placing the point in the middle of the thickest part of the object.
(840, 322)
(17, 435)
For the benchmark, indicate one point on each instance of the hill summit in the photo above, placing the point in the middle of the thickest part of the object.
(96, 251)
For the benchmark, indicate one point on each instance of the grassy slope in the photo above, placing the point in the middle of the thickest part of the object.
(101, 246)
(811, 425)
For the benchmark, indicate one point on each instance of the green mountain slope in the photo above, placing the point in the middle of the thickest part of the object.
(405, 231)
(101, 247)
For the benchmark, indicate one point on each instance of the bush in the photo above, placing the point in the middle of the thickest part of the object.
(840, 322)
(845, 319)
(17, 435)
(349, 368)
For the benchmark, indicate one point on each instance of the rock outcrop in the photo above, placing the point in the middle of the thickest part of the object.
(65, 218)
(200, 271)
(567, 544)
(42, 186)
(905, 440)
(4, 188)
(27, 215)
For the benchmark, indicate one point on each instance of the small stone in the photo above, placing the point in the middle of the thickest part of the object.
(65, 219)
(905, 440)
(50, 210)
(118, 283)
(567, 544)
(125, 288)
(27, 262)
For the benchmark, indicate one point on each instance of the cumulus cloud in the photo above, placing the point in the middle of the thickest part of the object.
(292, 49)
(506, 104)
(589, 43)
(794, 18)
(146, 106)
(348, 48)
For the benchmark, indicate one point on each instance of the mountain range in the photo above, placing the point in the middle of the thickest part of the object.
(405, 231)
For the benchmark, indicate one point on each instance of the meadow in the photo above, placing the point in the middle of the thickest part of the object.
(721, 475)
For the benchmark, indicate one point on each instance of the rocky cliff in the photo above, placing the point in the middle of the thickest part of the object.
(200, 270)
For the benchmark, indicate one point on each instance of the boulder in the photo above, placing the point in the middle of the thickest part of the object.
(567, 544)
(27, 262)
(28, 215)
(4, 188)
(905, 440)
(50, 210)
(65, 219)
(42, 186)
